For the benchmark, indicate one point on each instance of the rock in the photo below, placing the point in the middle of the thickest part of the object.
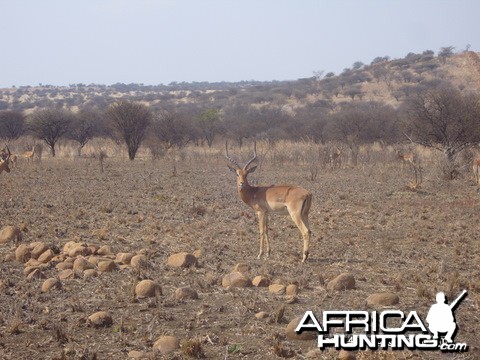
(262, 315)
(342, 282)
(81, 264)
(46, 256)
(69, 260)
(138, 355)
(385, 299)
(94, 259)
(10, 234)
(197, 253)
(241, 267)
(38, 250)
(291, 290)
(28, 269)
(278, 289)
(66, 274)
(36, 274)
(33, 244)
(181, 260)
(139, 262)
(147, 288)
(100, 319)
(166, 345)
(59, 258)
(186, 292)
(124, 258)
(236, 279)
(32, 262)
(305, 335)
(346, 355)
(63, 266)
(79, 250)
(92, 249)
(261, 281)
(22, 253)
(51, 283)
(89, 273)
(70, 245)
(106, 266)
(105, 250)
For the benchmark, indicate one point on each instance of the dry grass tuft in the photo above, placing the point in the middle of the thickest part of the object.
(193, 348)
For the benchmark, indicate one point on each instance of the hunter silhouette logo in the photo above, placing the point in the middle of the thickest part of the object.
(374, 330)
(440, 316)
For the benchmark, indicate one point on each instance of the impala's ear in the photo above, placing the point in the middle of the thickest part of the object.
(252, 169)
(232, 169)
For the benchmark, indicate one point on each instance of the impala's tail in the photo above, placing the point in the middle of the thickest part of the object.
(306, 205)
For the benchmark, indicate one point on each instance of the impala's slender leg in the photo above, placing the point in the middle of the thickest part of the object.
(265, 230)
(261, 227)
(300, 218)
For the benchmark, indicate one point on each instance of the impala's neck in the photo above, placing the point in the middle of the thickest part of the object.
(247, 195)
(245, 191)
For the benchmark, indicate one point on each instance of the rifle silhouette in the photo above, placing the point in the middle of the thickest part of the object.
(457, 300)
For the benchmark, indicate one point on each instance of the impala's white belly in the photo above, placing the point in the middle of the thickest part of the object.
(277, 207)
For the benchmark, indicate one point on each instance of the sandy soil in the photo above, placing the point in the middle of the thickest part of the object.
(364, 221)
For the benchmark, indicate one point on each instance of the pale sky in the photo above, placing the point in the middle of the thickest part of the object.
(61, 42)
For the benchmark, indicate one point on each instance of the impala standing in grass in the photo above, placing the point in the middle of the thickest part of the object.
(29, 154)
(5, 160)
(283, 199)
(407, 157)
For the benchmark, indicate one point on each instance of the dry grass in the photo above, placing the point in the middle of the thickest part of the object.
(364, 221)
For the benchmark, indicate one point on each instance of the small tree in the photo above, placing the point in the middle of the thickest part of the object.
(50, 125)
(130, 121)
(209, 124)
(357, 65)
(445, 52)
(357, 124)
(238, 122)
(170, 128)
(86, 124)
(12, 125)
(444, 119)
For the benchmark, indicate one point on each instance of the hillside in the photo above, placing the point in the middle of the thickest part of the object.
(384, 80)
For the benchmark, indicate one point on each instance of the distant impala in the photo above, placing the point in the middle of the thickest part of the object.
(29, 154)
(283, 199)
(407, 157)
(5, 160)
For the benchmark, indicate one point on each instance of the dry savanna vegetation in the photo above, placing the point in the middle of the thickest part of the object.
(107, 258)
(122, 234)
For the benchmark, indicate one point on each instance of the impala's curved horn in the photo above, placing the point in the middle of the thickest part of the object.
(228, 157)
(254, 155)
(9, 153)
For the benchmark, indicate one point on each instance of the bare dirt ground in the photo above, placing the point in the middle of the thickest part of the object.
(364, 221)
